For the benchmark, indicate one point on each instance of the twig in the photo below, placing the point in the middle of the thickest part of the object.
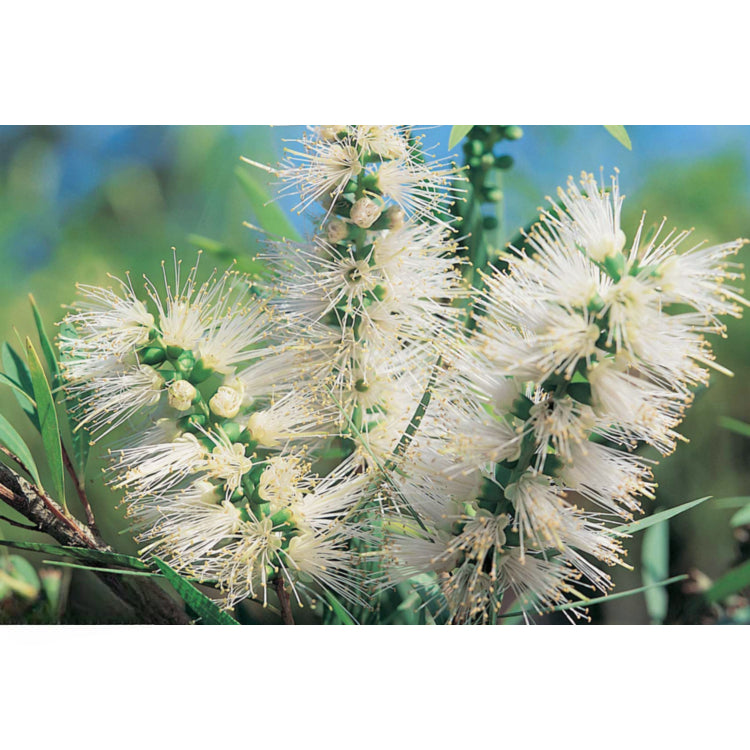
(16, 523)
(149, 602)
(81, 490)
(287, 618)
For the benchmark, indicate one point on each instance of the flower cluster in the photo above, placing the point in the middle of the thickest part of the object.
(217, 476)
(488, 458)
(585, 349)
(374, 288)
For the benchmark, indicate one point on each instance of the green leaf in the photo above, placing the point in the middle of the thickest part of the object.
(602, 599)
(50, 428)
(655, 567)
(80, 436)
(458, 133)
(619, 133)
(54, 584)
(18, 372)
(741, 428)
(644, 523)
(197, 602)
(97, 569)
(338, 609)
(80, 553)
(15, 444)
(730, 583)
(255, 268)
(22, 397)
(741, 517)
(18, 576)
(47, 348)
(619, 595)
(270, 215)
(732, 502)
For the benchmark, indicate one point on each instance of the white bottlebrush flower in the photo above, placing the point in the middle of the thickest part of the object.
(298, 416)
(319, 170)
(154, 468)
(591, 217)
(226, 461)
(560, 424)
(613, 479)
(107, 324)
(184, 526)
(111, 399)
(234, 336)
(419, 189)
(387, 141)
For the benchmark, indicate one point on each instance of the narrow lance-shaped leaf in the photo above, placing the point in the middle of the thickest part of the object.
(197, 602)
(80, 553)
(15, 444)
(80, 436)
(458, 133)
(730, 583)
(269, 214)
(48, 423)
(47, 349)
(741, 517)
(602, 599)
(644, 523)
(17, 370)
(741, 428)
(619, 133)
(338, 609)
(655, 567)
(19, 392)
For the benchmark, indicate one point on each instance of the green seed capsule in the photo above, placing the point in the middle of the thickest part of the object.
(490, 222)
(513, 132)
(236, 496)
(174, 351)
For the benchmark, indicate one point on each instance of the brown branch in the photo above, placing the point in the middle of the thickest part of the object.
(287, 618)
(81, 490)
(150, 603)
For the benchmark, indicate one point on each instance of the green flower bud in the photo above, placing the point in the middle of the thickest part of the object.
(200, 372)
(192, 423)
(152, 355)
(185, 362)
(504, 162)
